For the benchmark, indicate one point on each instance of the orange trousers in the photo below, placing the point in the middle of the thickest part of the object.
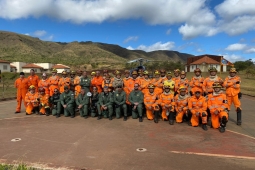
(163, 114)
(195, 118)
(30, 108)
(21, 96)
(149, 113)
(215, 118)
(235, 100)
(179, 116)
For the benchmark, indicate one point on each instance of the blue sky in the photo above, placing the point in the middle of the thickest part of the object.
(218, 27)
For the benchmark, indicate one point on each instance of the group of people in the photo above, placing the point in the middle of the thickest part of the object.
(172, 97)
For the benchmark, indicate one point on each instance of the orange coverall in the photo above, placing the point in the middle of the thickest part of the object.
(77, 91)
(196, 82)
(181, 106)
(144, 85)
(232, 90)
(108, 83)
(150, 101)
(126, 89)
(44, 102)
(208, 82)
(63, 82)
(31, 100)
(21, 84)
(44, 84)
(97, 81)
(197, 105)
(53, 81)
(157, 82)
(33, 80)
(176, 81)
(182, 82)
(166, 101)
(131, 83)
(217, 102)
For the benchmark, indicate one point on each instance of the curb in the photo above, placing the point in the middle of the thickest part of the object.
(6, 99)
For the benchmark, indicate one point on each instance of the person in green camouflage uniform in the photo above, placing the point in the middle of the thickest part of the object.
(136, 100)
(55, 101)
(82, 101)
(105, 104)
(94, 101)
(67, 101)
(85, 82)
(119, 98)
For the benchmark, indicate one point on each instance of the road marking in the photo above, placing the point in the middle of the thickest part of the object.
(213, 155)
(241, 134)
(17, 117)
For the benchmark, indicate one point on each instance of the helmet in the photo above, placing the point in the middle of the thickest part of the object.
(32, 87)
(183, 73)
(169, 73)
(212, 69)
(41, 89)
(151, 86)
(176, 71)
(64, 72)
(117, 72)
(54, 70)
(93, 73)
(216, 84)
(182, 88)
(127, 72)
(44, 75)
(134, 72)
(156, 72)
(145, 72)
(72, 72)
(197, 70)
(232, 70)
(162, 71)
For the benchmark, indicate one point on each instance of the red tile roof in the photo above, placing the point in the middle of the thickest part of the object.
(206, 60)
(31, 66)
(60, 66)
(3, 61)
(12, 66)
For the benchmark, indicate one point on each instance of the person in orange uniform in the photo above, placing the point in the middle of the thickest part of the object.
(145, 82)
(53, 81)
(169, 82)
(163, 75)
(72, 78)
(197, 105)
(125, 88)
(44, 106)
(97, 81)
(64, 81)
(232, 84)
(217, 104)
(176, 79)
(196, 81)
(21, 84)
(105, 72)
(108, 82)
(44, 83)
(151, 105)
(208, 82)
(181, 105)
(157, 82)
(133, 80)
(140, 75)
(183, 81)
(166, 101)
(33, 79)
(32, 100)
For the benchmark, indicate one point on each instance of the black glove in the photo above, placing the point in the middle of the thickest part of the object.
(240, 95)
(238, 82)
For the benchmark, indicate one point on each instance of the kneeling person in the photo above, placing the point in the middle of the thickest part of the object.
(105, 104)
(217, 104)
(119, 98)
(82, 101)
(67, 101)
(55, 101)
(32, 101)
(44, 105)
(181, 105)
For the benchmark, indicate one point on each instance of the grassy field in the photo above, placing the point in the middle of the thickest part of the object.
(7, 89)
(15, 167)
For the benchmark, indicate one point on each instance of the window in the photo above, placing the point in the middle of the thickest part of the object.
(35, 70)
(4, 67)
(192, 67)
(216, 66)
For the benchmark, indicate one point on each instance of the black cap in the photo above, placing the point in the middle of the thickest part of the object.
(22, 73)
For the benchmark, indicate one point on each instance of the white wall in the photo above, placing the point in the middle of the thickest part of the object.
(61, 70)
(27, 70)
(5, 67)
(204, 68)
(45, 66)
(19, 65)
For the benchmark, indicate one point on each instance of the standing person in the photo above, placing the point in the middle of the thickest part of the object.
(94, 101)
(56, 103)
(67, 101)
(92, 75)
(126, 88)
(197, 105)
(33, 79)
(108, 82)
(163, 75)
(176, 79)
(212, 78)
(196, 81)
(72, 79)
(44, 83)
(169, 82)
(157, 82)
(105, 72)
(119, 99)
(133, 80)
(136, 99)
(32, 101)
(232, 84)
(97, 82)
(145, 82)
(44, 105)
(105, 104)
(64, 81)
(53, 81)
(21, 84)
(82, 101)
(85, 82)
(217, 104)
(140, 75)
(117, 81)
(77, 78)
(183, 81)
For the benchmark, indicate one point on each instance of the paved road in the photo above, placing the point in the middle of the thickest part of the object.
(91, 144)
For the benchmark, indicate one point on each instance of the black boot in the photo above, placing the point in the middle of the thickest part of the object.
(125, 118)
(204, 127)
(141, 119)
(222, 129)
(171, 118)
(47, 110)
(58, 115)
(110, 117)
(36, 109)
(156, 116)
(99, 117)
(86, 116)
(72, 116)
(239, 116)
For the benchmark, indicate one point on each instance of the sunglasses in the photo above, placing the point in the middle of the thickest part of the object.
(55, 91)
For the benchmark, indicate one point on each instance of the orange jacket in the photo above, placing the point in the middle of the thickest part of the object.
(44, 99)
(196, 82)
(158, 83)
(77, 80)
(63, 82)
(150, 99)
(97, 81)
(232, 85)
(77, 90)
(21, 84)
(53, 80)
(44, 84)
(131, 82)
(217, 102)
(32, 98)
(144, 85)
(182, 82)
(208, 82)
(181, 103)
(107, 83)
(176, 81)
(197, 105)
(166, 100)
(33, 80)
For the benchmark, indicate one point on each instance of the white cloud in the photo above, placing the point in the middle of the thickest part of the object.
(49, 38)
(236, 47)
(250, 50)
(233, 57)
(39, 33)
(192, 31)
(27, 34)
(154, 47)
(131, 38)
(168, 32)
(199, 50)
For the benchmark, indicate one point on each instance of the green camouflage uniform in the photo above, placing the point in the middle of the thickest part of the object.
(119, 99)
(134, 97)
(105, 99)
(85, 83)
(68, 99)
(84, 101)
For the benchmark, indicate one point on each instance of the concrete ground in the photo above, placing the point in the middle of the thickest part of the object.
(79, 143)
